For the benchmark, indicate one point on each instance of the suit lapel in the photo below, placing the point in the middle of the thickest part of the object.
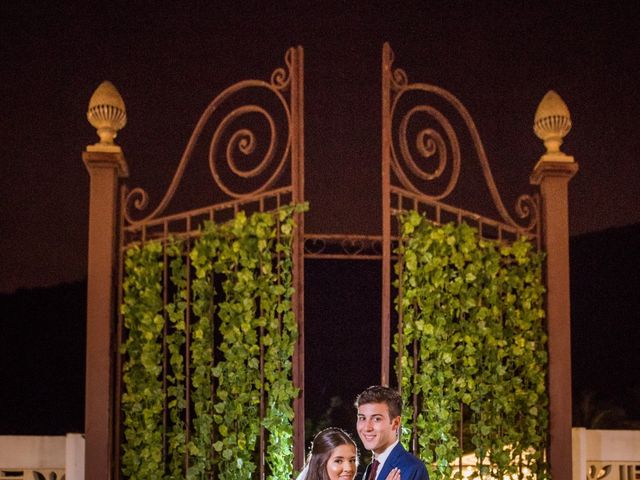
(390, 462)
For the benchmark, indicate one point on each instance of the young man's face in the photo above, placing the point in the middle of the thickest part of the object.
(376, 428)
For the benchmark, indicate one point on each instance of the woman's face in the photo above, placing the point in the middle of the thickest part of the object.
(342, 463)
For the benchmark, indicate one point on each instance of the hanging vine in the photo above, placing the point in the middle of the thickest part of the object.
(203, 254)
(238, 372)
(142, 400)
(176, 377)
(258, 327)
(240, 347)
(473, 340)
(281, 333)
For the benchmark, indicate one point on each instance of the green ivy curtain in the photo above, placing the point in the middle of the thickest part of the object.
(221, 347)
(471, 347)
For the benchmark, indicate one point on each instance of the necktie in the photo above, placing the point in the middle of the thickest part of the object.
(374, 469)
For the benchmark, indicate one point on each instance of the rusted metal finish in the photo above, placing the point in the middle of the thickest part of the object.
(242, 140)
(273, 179)
(387, 60)
(297, 180)
(400, 327)
(431, 143)
(408, 147)
(186, 224)
(441, 213)
(117, 418)
(345, 247)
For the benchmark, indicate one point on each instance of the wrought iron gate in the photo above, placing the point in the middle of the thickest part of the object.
(410, 112)
(271, 116)
(278, 179)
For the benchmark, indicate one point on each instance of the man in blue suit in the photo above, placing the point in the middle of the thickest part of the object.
(378, 425)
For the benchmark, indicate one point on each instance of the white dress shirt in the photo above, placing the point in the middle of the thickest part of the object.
(383, 457)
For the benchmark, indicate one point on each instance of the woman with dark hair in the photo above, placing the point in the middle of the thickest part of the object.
(334, 456)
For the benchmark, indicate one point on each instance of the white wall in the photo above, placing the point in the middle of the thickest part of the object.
(591, 448)
(32, 452)
(44, 453)
(596, 447)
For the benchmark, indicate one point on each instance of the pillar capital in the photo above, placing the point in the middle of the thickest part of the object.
(551, 165)
(99, 157)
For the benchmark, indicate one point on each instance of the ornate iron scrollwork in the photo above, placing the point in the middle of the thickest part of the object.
(241, 142)
(436, 147)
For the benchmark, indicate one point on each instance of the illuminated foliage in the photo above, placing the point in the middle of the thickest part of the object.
(472, 346)
(239, 330)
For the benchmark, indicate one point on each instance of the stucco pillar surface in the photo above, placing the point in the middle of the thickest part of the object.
(553, 178)
(104, 168)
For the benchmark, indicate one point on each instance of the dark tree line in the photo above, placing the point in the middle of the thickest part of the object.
(42, 341)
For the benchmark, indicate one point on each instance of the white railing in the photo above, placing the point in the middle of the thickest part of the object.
(25, 457)
(27, 474)
(597, 455)
(606, 454)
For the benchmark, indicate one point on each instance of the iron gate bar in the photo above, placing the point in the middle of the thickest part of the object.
(460, 215)
(145, 230)
(342, 246)
(119, 335)
(297, 180)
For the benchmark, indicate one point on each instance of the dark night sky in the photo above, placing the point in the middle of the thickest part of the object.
(169, 63)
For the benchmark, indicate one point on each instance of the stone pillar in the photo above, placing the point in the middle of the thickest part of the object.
(552, 173)
(106, 165)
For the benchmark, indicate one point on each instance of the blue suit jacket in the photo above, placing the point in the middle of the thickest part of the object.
(410, 467)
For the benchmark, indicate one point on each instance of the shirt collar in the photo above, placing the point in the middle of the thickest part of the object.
(384, 455)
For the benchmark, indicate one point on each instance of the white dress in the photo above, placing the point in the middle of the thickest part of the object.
(303, 474)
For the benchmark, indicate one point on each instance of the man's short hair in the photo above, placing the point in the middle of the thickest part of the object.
(380, 394)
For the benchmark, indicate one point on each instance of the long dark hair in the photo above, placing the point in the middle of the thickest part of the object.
(323, 445)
